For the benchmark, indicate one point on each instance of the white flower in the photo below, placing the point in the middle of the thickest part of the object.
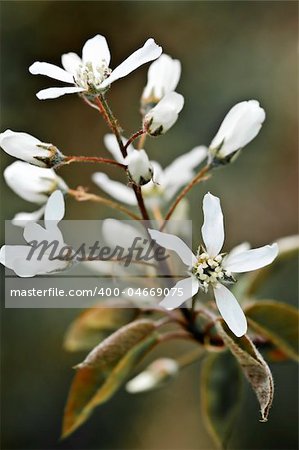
(30, 149)
(33, 184)
(166, 182)
(164, 115)
(155, 375)
(211, 268)
(240, 126)
(163, 77)
(16, 257)
(139, 167)
(91, 73)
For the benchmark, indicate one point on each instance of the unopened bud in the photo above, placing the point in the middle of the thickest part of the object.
(164, 115)
(162, 77)
(140, 169)
(30, 149)
(239, 127)
(156, 374)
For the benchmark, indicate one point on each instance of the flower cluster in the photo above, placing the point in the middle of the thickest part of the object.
(35, 180)
(156, 198)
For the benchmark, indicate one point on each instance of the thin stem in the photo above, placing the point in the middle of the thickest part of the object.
(133, 137)
(141, 141)
(157, 213)
(112, 122)
(90, 159)
(140, 201)
(82, 196)
(102, 106)
(198, 177)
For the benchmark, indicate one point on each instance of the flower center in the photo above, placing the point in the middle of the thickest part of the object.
(209, 271)
(90, 77)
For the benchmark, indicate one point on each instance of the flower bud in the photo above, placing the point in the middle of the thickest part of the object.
(162, 78)
(30, 149)
(139, 167)
(32, 183)
(156, 374)
(240, 126)
(164, 115)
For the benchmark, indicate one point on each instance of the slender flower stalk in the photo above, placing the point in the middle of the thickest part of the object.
(133, 138)
(82, 196)
(201, 176)
(108, 116)
(90, 159)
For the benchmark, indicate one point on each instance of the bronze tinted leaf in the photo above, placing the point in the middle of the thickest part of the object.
(104, 370)
(254, 366)
(96, 323)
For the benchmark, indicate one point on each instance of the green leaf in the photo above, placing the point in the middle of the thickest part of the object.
(254, 366)
(97, 323)
(277, 322)
(104, 370)
(221, 394)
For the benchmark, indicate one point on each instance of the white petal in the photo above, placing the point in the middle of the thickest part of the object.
(14, 257)
(52, 71)
(55, 208)
(251, 259)
(148, 52)
(230, 310)
(163, 77)
(32, 183)
(22, 218)
(8, 254)
(164, 115)
(187, 162)
(23, 146)
(174, 243)
(116, 189)
(235, 251)
(181, 170)
(241, 124)
(70, 62)
(188, 287)
(34, 266)
(212, 229)
(35, 232)
(111, 144)
(56, 92)
(95, 50)
(117, 232)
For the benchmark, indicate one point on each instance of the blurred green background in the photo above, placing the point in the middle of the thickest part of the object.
(230, 51)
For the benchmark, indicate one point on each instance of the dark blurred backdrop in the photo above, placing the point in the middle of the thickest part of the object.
(230, 51)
